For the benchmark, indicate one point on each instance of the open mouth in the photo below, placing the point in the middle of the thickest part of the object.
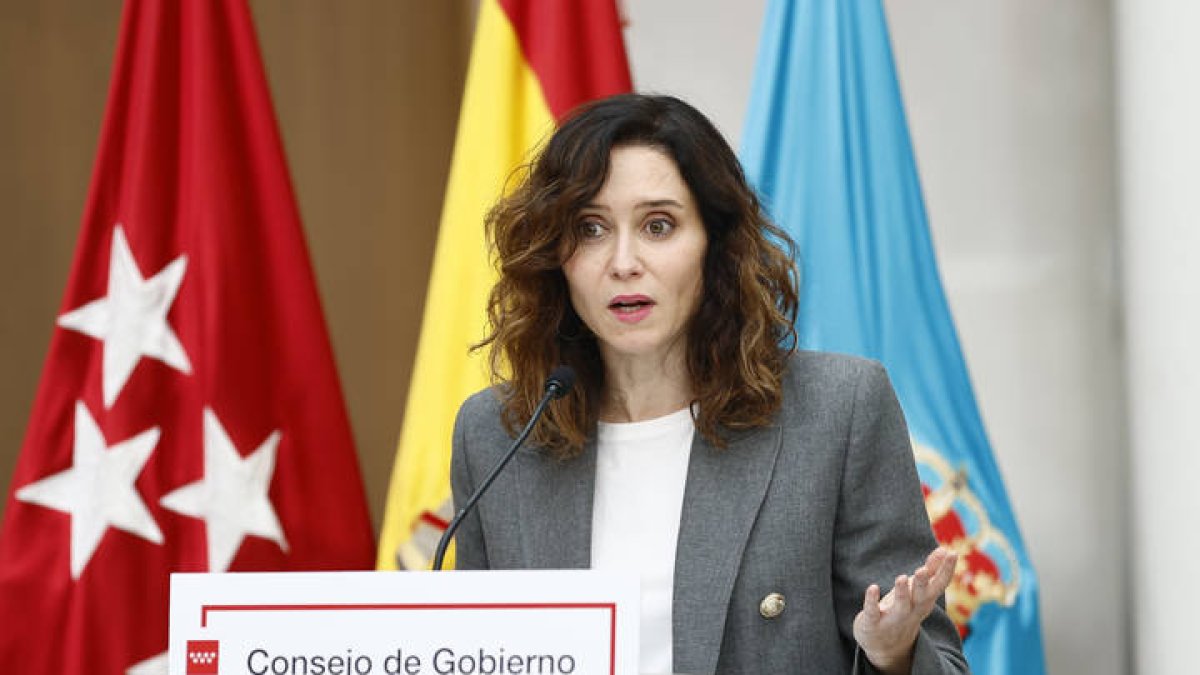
(630, 304)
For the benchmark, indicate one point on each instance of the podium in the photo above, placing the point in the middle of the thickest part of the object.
(572, 622)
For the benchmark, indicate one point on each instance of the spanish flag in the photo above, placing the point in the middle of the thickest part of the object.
(532, 61)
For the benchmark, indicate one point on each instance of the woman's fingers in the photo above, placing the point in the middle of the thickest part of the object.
(932, 579)
(920, 585)
(871, 603)
(913, 596)
(904, 595)
(944, 574)
(935, 557)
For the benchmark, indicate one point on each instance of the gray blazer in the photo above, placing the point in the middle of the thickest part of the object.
(816, 507)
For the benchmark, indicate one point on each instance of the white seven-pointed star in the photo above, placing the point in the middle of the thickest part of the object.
(232, 497)
(132, 318)
(98, 490)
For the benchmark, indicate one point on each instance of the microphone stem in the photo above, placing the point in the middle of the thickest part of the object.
(444, 542)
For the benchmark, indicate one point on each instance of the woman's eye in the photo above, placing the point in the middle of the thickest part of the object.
(659, 227)
(591, 229)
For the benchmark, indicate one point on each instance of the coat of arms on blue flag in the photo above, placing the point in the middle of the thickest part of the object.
(826, 143)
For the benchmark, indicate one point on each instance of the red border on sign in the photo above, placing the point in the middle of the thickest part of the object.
(610, 606)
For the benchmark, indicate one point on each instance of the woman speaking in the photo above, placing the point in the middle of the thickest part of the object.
(763, 494)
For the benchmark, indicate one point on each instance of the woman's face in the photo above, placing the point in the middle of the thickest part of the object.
(636, 276)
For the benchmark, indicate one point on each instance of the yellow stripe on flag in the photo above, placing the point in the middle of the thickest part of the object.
(504, 115)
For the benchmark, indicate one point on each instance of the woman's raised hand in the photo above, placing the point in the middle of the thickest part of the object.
(887, 629)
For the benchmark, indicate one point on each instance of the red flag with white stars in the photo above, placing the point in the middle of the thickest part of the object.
(189, 417)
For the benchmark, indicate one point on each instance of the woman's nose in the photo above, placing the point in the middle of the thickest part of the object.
(626, 259)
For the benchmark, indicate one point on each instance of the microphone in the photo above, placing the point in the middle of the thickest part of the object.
(560, 381)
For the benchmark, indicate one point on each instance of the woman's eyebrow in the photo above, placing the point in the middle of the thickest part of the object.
(643, 204)
(659, 203)
(646, 204)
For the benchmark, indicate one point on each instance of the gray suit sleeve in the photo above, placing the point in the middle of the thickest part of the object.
(882, 529)
(470, 551)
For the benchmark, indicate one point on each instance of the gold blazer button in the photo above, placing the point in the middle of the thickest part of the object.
(772, 605)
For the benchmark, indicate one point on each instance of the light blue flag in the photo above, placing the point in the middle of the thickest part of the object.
(826, 144)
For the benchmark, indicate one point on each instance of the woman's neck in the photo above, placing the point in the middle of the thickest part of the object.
(643, 389)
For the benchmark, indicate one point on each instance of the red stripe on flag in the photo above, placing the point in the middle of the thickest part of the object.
(431, 519)
(575, 48)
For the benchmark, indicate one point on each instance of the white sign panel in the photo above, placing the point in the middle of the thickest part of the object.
(575, 622)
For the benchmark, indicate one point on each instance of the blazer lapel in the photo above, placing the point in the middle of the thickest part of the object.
(555, 508)
(725, 489)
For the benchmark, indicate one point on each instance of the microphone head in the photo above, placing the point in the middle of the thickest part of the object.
(561, 379)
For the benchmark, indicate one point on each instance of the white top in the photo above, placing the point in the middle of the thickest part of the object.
(641, 470)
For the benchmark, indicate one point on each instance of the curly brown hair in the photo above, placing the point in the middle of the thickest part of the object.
(742, 333)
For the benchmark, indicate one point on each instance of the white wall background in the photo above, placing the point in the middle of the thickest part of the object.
(1010, 106)
(1158, 105)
